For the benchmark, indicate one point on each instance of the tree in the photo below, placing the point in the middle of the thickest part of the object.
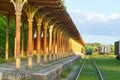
(112, 49)
(95, 46)
(63, 2)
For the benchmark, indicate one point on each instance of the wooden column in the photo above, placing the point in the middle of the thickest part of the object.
(60, 53)
(7, 38)
(61, 44)
(39, 19)
(18, 5)
(50, 42)
(30, 40)
(46, 23)
(18, 18)
(62, 36)
(54, 43)
(58, 45)
(65, 46)
(60, 32)
(70, 50)
(45, 44)
(30, 11)
(22, 48)
(38, 42)
(68, 46)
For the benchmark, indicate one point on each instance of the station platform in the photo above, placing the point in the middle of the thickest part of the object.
(49, 71)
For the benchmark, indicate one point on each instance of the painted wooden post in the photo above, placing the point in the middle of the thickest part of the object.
(22, 48)
(58, 53)
(7, 38)
(55, 47)
(46, 23)
(39, 19)
(30, 11)
(38, 39)
(58, 43)
(50, 42)
(54, 43)
(18, 5)
(45, 44)
(38, 42)
(61, 44)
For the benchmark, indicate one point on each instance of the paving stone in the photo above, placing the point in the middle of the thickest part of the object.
(0, 75)
(50, 71)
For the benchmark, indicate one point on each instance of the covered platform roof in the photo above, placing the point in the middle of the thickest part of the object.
(55, 8)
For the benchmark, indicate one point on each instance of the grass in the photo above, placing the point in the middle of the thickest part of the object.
(109, 66)
(65, 73)
(2, 60)
(89, 72)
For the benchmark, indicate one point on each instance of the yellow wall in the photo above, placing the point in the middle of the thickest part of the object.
(76, 47)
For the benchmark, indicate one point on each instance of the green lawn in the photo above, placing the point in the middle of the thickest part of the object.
(68, 70)
(109, 66)
(2, 60)
(89, 72)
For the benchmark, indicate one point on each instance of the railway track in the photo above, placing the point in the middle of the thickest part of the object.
(92, 68)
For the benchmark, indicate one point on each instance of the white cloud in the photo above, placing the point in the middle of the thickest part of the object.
(91, 17)
(114, 16)
(99, 38)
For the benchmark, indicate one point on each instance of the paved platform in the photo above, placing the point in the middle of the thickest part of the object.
(50, 71)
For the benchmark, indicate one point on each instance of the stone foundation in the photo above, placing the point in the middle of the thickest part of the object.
(50, 73)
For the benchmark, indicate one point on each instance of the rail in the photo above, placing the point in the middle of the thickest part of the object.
(96, 67)
(98, 70)
(81, 69)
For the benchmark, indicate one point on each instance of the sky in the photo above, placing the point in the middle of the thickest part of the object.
(96, 20)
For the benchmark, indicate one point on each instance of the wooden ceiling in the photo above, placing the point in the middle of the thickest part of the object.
(54, 7)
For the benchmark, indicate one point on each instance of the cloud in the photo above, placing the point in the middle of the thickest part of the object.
(114, 16)
(94, 23)
(99, 38)
(91, 17)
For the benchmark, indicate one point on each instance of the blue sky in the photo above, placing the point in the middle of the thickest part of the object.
(96, 20)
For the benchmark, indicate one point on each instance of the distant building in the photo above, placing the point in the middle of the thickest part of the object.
(117, 47)
(105, 49)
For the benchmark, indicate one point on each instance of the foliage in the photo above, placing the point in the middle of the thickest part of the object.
(2, 32)
(95, 46)
(68, 70)
(89, 71)
(112, 49)
(63, 2)
(3, 35)
(11, 36)
(109, 66)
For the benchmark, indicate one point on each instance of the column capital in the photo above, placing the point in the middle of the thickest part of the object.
(38, 20)
(45, 27)
(30, 20)
(18, 13)
(18, 4)
(50, 30)
(39, 24)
